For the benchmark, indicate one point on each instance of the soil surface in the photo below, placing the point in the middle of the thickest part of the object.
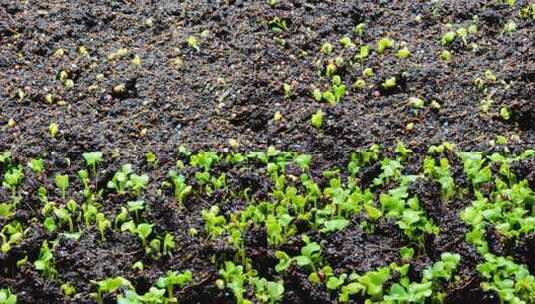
(224, 96)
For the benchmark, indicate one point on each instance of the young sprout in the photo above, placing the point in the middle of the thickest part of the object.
(193, 43)
(346, 42)
(364, 51)
(277, 116)
(389, 83)
(509, 27)
(445, 55)
(505, 113)
(69, 84)
(36, 165)
(67, 289)
(316, 94)
(359, 29)
(383, 44)
(53, 129)
(416, 102)
(330, 69)
(62, 182)
(12, 179)
(118, 54)
(6, 297)
(287, 90)
(172, 279)
(367, 72)
(45, 262)
(168, 244)
(404, 53)
(151, 158)
(272, 2)
(92, 159)
(463, 33)
(64, 216)
(135, 207)
(143, 231)
(447, 38)
(359, 84)
(102, 224)
(327, 48)
(317, 119)
(182, 190)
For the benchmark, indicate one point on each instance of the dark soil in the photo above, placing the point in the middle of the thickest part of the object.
(230, 90)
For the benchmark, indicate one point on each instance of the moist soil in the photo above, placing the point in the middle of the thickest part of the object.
(228, 91)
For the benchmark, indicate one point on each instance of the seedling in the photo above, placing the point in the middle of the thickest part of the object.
(384, 44)
(367, 72)
(317, 119)
(416, 102)
(36, 165)
(62, 182)
(288, 90)
(447, 38)
(389, 83)
(346, 42)
(505, 113)
(404, 53)
(110, 285)
(193, 43)
(135, 207)
(359, 84)
(509, 27)
(445, 55)
(45, 262)
(12, 180)
(181, 189)
(53, 129)
(364, 51)
(102, 225)
(6, 297)
(214, 223)
(327, 48)
(268, 291)
(359, 29)
(92, 159)
(172, 279)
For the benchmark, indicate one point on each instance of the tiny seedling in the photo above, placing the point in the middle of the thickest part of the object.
(384, 44)
(317, 119)
(62, 182)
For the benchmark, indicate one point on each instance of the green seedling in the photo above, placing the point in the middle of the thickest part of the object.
(214, 223)
(36, 165)
(53, 129)
(193, 43)
(326, 48)
(120, 178)
(6, 297)
(110, 285)
(12, 180)
(168, 244)
(346, 42)
(174, 279)
(136, 207)
(45, 262)
(445, 55)
(102, 225)
(389, 83)
(317, 119)
(364, 52)
(64, 217)
(404, 53)
(268, 291)
(92, 159)
(384, 44)
(62, 182)
(447, 38)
